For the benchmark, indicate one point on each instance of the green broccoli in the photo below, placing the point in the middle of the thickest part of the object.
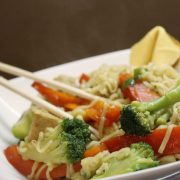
(65, 143)
(139, 156)
(139, 118)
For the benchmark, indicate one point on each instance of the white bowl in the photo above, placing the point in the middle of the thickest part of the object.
(12, 106)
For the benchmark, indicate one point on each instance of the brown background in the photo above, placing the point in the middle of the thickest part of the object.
(35, 34)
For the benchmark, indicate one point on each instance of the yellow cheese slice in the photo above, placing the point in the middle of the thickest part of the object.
(156, 46)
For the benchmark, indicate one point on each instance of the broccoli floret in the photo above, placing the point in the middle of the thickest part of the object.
(77, 134)
(65, 143)
(139, 156)
(139, 118)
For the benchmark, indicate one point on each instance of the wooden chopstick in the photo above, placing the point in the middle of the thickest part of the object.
(36, 100)
(62, 86)
(41, 103)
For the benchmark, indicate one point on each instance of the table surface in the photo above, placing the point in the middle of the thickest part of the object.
(40, 33)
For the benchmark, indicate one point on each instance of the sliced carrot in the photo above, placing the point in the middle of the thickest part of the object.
(94, 113)
(58, 98)
(83, 78)
(112, 115)
(95, 150)
(25, 166)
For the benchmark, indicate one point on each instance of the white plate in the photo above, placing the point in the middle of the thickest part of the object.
(12, 106)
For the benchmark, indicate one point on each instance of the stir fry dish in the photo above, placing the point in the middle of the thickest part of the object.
(135, 126)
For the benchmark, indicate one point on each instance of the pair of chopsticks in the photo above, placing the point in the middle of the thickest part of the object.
(40, 102)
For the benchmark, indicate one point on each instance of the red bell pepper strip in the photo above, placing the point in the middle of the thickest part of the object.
(59, 98)
(25, 166)
(83, 78)
(154, 139)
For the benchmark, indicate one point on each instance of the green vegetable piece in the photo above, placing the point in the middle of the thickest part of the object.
(139, 156)
(77, 134)
(21, 129)
(162, 120)
(138, 118)
(65, 143)
(32, 122)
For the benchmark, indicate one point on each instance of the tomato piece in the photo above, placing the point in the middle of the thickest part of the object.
(58, 98)
(139, 92)
(154, 139)
(95, 150)
(25, 166)
(94, 113)
(83, 78)
(145, 94)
